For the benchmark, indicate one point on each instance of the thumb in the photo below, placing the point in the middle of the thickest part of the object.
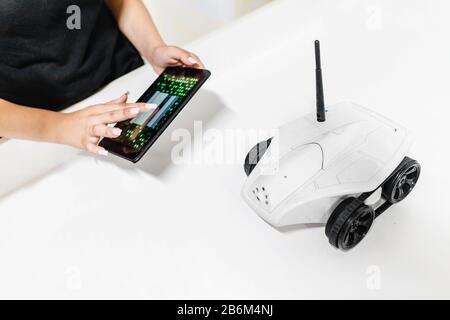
(122, 99)
(184, 56)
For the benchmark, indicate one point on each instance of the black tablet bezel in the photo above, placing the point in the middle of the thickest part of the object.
(116, 148)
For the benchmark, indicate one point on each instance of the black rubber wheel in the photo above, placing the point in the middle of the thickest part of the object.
(348, 225)
(356, 228)
(255, 155)
(400, 185)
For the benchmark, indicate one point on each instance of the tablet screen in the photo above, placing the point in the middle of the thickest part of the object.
(169, 93)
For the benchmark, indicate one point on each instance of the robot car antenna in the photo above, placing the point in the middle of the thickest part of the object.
(321, 117)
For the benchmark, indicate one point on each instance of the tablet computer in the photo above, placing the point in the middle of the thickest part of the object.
(170, 92)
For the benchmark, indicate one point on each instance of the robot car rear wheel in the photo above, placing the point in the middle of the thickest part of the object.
(401, 184)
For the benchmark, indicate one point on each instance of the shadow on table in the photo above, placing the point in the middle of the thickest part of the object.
(25, 163)
(300, 227)
(204, 107)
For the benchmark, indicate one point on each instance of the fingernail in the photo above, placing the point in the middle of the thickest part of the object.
(117, 132)
(149, 106)
(192, 60)
(103, 152)
(135, 111)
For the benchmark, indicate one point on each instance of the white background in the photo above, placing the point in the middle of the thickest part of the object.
(181, 21)
(92, 228)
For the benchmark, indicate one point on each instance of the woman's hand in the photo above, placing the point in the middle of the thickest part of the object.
(83, 129)
(166, 56)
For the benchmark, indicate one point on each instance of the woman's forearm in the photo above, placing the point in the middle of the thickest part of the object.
(19, 122)
(81, 129)
(137, 24)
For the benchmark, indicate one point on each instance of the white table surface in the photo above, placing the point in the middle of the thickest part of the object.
(74, 226)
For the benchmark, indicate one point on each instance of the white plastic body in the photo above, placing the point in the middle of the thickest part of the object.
(316, 164)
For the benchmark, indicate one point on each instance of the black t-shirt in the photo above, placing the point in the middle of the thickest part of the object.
(54, 53)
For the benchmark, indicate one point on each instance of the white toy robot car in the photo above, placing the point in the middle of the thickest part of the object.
(345, 171)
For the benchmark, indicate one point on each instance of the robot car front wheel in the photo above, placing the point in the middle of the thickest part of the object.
(255, 155)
